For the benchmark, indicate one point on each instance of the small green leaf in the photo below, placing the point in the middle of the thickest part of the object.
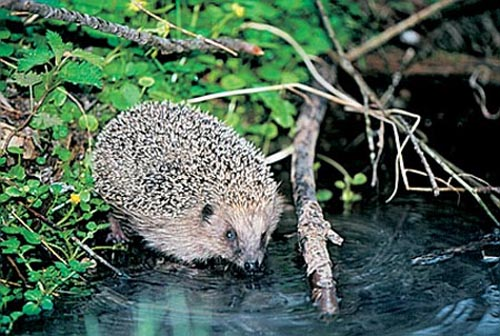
(57, 45)
(128, 95)
(62, 153)
(85, 196)
(31, 237)
(6, 49)
(4, 198)
(83, 73)
(91, 226)
(88, 122)
(323, 195)
(89, 57)
(44, 120)
(41, 160)
(18, 172)
(340, 184)
(27, 79)
(13, 192)
(33, 57)
(10, 229)
(359, 179)
(146, 81)
(10, 245)
(31, 308)
(33, 294)
(231, 82)
(15, 150)
(47, 303)
(284, 114)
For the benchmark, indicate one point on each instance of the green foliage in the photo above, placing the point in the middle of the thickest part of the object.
(49, 174)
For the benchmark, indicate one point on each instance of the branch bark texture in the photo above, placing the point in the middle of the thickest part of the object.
(313, 230)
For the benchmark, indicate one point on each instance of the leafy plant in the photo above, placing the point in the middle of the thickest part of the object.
(65, 81)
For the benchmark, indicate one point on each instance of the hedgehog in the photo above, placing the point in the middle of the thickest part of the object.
(188, 184)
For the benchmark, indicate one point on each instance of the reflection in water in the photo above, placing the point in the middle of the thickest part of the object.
(382, 293)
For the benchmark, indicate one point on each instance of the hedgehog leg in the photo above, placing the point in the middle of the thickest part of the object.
(116, 235)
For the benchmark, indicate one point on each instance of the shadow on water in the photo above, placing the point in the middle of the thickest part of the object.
(381, 292)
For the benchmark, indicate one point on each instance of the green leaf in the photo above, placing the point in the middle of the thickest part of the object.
(18, 172)
(47, 303)
(232, 82)
(323, 195)
(146, 81)
(83, 73)
(31, 308)
(91, 226)
(27, 79)
(4, 34)
(4, 198)
(85, 196)
(10, 245)
(88, 122)
(41, 160)
(89, 57)
(340, 184)
(62, 153)
(359, 179)
(128, 95)
(40, 55)
(284, 114)
(44, 120)
(13, 191)
(31, 237)
(57, 45)
(15, 150)
(10, 229)
(33, 294)
(6, 49)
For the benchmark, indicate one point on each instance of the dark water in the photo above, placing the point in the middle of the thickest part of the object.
(381, 292)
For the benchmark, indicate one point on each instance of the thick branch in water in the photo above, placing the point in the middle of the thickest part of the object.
(314, 231)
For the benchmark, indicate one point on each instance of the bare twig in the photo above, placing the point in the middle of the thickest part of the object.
(184, 31)
(392, 31)
(166, 46)
(480, 95)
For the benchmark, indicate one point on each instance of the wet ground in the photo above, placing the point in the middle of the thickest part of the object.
(382, 293)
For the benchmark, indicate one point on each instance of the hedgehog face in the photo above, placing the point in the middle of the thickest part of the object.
(241, 234)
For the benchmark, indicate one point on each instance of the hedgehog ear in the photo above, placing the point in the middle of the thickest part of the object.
(207, 212)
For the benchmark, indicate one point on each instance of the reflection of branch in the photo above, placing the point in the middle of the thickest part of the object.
(313, 229)
(398, 28)
(166, 46)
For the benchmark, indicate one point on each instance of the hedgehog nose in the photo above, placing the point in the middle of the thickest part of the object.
(251, 266)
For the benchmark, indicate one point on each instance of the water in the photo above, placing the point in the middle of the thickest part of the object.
(381, 292)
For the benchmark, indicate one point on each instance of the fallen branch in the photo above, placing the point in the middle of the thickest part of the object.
(439, 63)
(314, 231)
(166, 46)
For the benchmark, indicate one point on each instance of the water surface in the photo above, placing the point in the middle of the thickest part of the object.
(381, 292)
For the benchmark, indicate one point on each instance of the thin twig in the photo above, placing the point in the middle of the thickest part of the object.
(166, 46)
(184, 31)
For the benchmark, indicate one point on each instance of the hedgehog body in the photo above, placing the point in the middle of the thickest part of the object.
(188, 184)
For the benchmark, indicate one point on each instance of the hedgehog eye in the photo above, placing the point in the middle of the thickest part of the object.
(206, 212)
(231, 235)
